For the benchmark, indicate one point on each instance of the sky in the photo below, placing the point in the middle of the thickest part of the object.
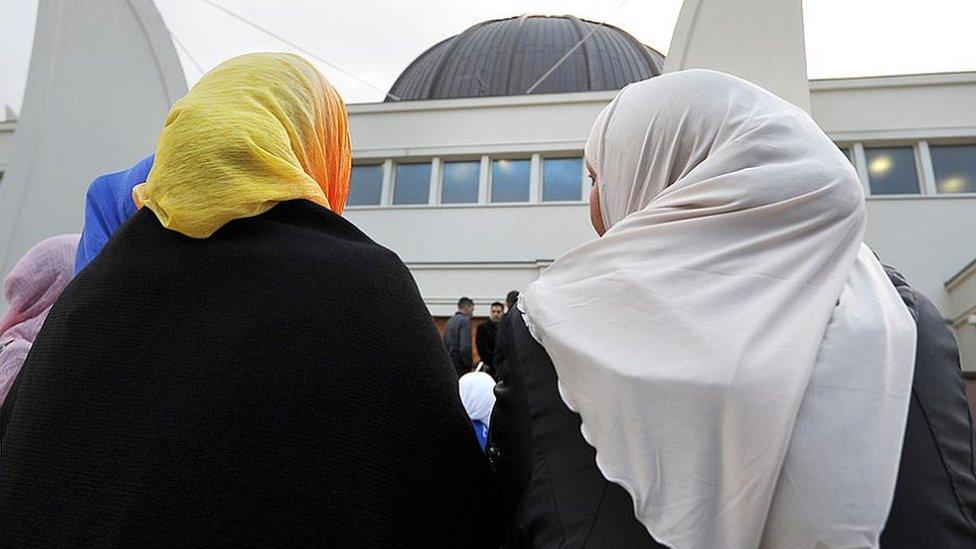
(376, 40)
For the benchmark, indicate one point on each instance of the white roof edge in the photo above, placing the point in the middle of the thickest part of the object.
(882, 81)
(478, 102)
(894, 80)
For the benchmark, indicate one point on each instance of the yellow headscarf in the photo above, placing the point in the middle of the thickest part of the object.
(259, 129)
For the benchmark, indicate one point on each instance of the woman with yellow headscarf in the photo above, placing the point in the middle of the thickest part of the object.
(217, 374)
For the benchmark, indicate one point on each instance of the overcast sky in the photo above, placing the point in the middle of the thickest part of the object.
(377, 39)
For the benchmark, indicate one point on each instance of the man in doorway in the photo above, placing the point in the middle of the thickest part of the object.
(485, 338)
(501, 337)
(457, 336)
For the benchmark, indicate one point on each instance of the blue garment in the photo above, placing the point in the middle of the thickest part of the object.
(481, 432)
(108, 205)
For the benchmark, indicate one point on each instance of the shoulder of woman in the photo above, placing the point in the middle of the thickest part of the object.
(905, 291)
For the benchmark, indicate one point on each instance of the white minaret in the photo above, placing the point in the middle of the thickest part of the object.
(759, 40)
(102, 78)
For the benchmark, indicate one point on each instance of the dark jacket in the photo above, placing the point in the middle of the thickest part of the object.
(457, 341)
(485, 340)
(935, 496)
(238, 391)
(556, 496)
(553, 492)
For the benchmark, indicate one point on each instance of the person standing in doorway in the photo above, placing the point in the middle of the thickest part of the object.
(486, 335)
(511, 300)
(457, 336)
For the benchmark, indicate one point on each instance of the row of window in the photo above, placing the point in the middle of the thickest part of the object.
(896, 170)
(460, 182)
(892, 170)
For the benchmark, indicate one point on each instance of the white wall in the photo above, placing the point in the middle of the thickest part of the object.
(759, 41)
(962, 300)
(102, 78)
(896, 107)
(474, 126)
(929, 238)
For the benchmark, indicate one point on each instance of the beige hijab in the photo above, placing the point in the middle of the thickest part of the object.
(740, 361)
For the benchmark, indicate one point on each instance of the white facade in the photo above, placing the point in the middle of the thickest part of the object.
(482, 250)
(105, 119)
(102, 78)
(737, 38)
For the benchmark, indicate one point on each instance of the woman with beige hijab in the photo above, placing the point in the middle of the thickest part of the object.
(739, 361)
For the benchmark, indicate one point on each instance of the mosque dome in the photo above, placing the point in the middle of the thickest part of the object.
(508, 56)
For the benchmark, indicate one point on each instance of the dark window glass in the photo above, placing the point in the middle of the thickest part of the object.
(955, 168)
(891, 170)
(561, 179)
(459, 182)
(412, 185)
(365, 185)
(509, 180)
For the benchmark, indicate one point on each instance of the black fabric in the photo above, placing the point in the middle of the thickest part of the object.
(501, 341)
(485, 337)
(239, 390)
(457, 341)
(935, 495)
(554, 494)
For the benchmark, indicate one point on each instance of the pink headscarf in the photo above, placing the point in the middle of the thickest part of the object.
(31, 289)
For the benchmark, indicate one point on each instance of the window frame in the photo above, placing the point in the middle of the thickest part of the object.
(477, 160)
(532, 189)
(431, 177)
(369, 163)
(947, 143)
(584, 183)
(919, 175)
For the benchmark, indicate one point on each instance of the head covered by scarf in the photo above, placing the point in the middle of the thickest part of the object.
(478, 396)
(31, 289)
(108, 205)
(259, 129)
(738, 357)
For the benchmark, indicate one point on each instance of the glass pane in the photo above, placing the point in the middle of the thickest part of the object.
(955, 168)
(509, 180)
(561, 178)
(459, 184)
(365, 185)
(412, 184)
(891, 170)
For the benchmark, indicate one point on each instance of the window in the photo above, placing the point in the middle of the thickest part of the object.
(365, 185)
(562, 179)
(954, 167)
(509, 180)
(891, 170)
(412, 185)
(459, 182)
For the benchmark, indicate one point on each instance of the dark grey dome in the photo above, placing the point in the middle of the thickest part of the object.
(507, 56)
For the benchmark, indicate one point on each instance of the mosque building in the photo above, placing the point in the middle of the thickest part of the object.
(471, 169)
(479, 185)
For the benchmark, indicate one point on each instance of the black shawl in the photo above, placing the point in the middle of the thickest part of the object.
(278, 383)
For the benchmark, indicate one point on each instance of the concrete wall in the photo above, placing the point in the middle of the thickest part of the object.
(962, 313)
(928, 239)
(483, 250)
(102, 78)
(896, 107)
(6, 140)
(474, 126)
